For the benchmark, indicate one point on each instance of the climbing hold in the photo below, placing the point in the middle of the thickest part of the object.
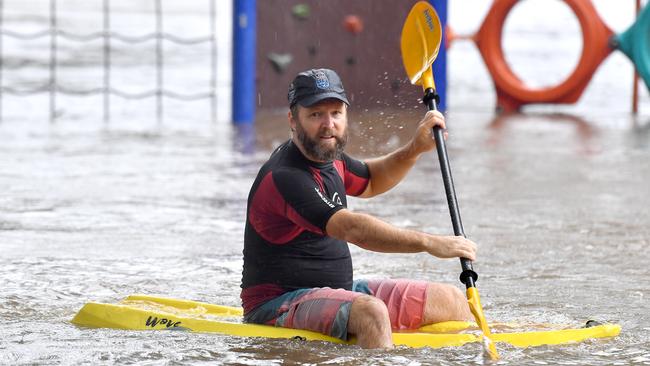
(279, 61)
(312, 50)
(301, 11)
(394, 85)
(350, 60)
(353, 24)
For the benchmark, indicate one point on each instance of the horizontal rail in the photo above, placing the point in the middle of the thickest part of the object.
(102, 35)
(117, 92)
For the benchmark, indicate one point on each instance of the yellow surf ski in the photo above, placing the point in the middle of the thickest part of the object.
(142, 312)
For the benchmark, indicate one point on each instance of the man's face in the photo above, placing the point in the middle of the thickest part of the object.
(321, 129)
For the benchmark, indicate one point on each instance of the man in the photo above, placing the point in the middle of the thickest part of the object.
(297, 265)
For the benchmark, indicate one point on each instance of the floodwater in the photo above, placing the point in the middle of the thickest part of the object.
(556, 198)
(558, 206)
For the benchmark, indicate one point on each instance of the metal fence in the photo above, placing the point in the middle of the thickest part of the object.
(53, 88)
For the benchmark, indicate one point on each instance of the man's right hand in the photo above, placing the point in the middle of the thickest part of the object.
(451, 246)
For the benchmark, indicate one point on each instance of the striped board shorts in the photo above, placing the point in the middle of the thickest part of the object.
(327, 310)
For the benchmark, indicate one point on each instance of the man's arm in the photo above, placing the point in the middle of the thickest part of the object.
(373, 234)
(390, 169)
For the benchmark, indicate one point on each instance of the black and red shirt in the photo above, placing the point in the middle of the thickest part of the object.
(285, 244)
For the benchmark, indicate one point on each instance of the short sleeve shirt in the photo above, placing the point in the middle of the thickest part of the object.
(285, 244)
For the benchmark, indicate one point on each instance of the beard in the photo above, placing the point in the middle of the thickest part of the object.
(315, 148)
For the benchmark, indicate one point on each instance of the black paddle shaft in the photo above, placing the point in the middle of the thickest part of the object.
(467, 276)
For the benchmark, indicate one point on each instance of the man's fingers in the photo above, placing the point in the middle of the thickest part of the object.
(424, 139)
(434, 118)
(468, 248)
(453, 246)
(470, 255)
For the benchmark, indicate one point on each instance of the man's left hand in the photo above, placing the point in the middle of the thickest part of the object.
(423, 140)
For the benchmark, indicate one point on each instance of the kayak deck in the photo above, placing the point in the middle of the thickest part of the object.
(143, 312)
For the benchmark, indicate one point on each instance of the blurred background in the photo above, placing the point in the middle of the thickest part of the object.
(130, 133)
(112, 56)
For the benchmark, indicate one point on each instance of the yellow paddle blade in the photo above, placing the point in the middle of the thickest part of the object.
(421, 37)
(475, 307)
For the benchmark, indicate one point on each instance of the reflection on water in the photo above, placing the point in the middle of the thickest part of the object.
(584, 130)
(557, 203)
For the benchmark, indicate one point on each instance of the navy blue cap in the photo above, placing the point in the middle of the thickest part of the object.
(312, 86)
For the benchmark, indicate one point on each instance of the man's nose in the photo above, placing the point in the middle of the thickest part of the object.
(328, 121)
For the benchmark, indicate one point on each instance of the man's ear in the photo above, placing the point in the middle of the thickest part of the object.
(292, 121)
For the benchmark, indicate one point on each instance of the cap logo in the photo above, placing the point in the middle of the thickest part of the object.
(321, 80)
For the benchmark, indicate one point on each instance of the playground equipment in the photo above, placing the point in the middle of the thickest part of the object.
(598, 43)
(635, 44)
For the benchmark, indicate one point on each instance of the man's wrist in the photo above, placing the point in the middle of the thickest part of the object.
(410, 152)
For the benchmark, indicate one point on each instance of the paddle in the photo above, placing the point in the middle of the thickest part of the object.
(421, 37)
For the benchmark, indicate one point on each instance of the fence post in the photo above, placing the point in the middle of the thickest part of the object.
(2, 8)
(107, 60)
(159, 61)
(213, 60)
(53, 60)
(244, 43)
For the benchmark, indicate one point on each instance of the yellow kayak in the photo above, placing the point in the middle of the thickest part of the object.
(142, 312)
